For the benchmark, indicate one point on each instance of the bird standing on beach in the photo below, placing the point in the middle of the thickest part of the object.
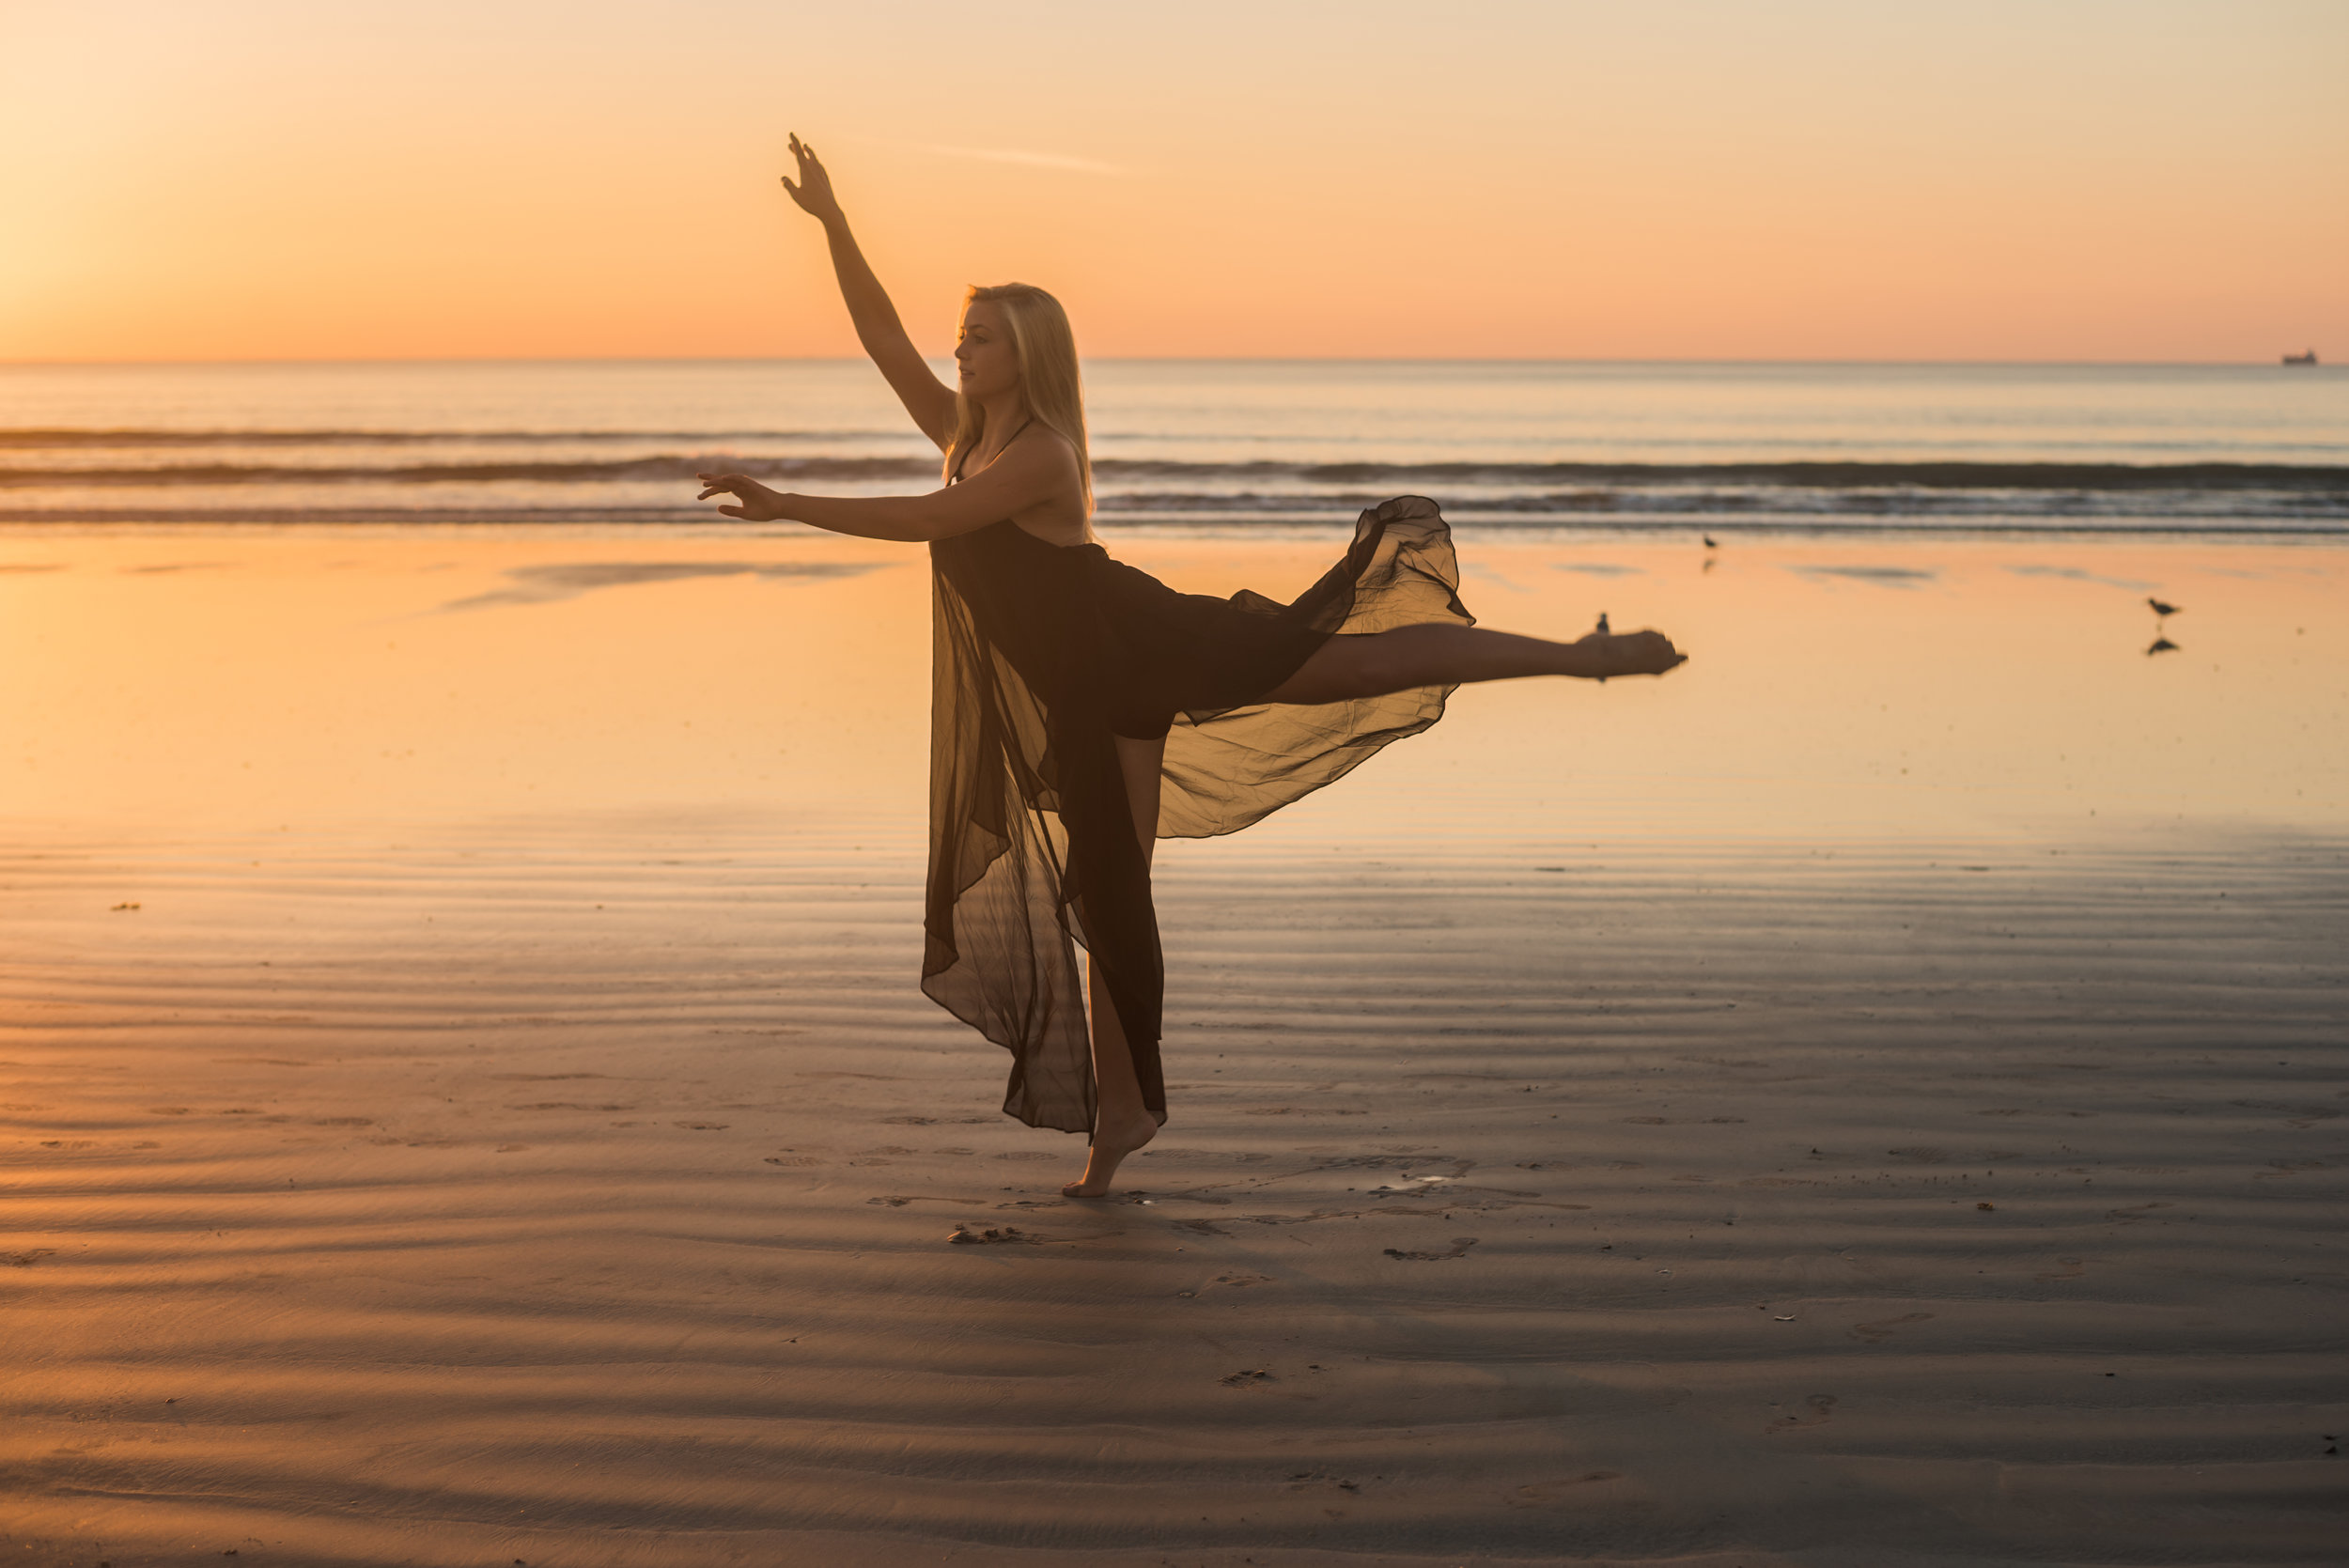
(2160, 608)
(1710, 543)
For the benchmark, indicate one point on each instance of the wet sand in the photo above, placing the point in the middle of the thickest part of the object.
(489, 1130)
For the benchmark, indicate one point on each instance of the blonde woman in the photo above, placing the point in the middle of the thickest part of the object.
(1082, 709)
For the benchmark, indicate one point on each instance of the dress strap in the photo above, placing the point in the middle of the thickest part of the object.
(964, 456)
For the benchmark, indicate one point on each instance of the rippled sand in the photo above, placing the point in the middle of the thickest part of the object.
(1684, 1150)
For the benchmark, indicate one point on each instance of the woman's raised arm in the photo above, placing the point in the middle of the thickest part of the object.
(929, 400)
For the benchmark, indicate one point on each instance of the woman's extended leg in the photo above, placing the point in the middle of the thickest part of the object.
(1383, 661)
(1121, 1122)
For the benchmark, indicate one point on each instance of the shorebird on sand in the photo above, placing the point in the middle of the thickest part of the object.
(2160, 608)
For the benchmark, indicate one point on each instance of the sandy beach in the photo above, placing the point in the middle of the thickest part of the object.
(1873, 1097)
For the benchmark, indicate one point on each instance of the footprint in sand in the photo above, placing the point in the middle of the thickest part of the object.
(991, 1236)
(1821, 1407)
(691, 1126)
(1459, 1248)
(1534, 1496)
(1237, 1279)
(1246, 1379)
(793, 1159)
(26, 1260)
(1881, 1330)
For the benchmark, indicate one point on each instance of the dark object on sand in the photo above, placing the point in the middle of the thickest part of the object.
(2161, 644)
(2160, 608)
(1710, 543)
(1602, 624)
(2307, 358)
(990, 1236)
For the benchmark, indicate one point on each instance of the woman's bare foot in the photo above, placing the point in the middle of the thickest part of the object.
(1110, 1145)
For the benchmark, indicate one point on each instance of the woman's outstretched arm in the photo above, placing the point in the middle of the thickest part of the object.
(1032, 472)
(929, 400)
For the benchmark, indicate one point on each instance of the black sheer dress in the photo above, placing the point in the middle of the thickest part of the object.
(1043, 655)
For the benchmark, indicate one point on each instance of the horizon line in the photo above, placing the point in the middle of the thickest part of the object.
(1128, 359)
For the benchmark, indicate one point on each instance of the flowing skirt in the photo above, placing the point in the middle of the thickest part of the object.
(1044, 654)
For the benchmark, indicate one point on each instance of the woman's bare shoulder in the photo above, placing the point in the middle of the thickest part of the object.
(1050, 448)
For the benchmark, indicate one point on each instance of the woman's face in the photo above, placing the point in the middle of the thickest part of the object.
(989, 364)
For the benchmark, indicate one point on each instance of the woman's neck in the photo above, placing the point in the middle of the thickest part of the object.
(1005, 413)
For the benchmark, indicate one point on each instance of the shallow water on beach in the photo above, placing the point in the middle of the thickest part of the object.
(1873, 1095)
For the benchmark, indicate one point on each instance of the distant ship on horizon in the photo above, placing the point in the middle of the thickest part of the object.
(2307, 358)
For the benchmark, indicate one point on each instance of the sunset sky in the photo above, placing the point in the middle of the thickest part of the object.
(1802, 178)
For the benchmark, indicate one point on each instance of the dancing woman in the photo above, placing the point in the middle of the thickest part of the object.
(1082, 709)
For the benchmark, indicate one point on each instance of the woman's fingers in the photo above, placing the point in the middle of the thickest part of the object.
(1656, 653)
(1640, 653)
(754, 497)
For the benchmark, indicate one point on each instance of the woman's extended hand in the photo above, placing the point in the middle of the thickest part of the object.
(759, 504)
(1630, 653)
(813, 190)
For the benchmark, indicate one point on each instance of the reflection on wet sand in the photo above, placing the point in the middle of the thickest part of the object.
(561, 580)
(1884, 577)
(2077, 574)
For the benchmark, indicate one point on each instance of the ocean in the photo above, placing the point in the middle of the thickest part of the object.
(1212, 445)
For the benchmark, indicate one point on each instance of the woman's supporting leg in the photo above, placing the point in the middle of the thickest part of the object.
(1121, 1122)
(1383, 661)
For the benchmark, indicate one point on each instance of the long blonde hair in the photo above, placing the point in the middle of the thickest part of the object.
(1048, 381)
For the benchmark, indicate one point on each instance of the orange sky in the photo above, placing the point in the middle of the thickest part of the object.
(2010, 179)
